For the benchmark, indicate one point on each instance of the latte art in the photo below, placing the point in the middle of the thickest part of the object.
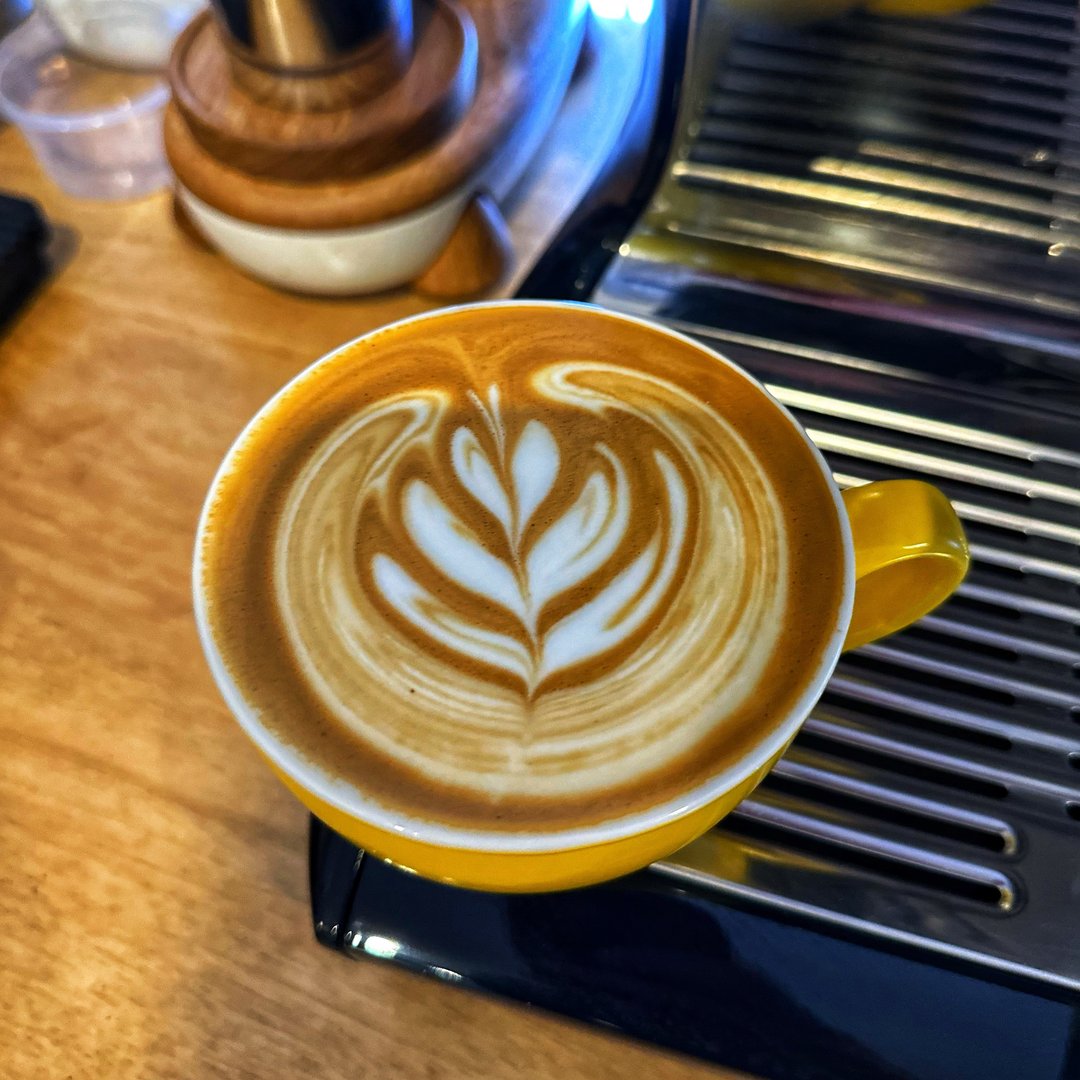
(517, 580)
(525, 580)
(532, 568)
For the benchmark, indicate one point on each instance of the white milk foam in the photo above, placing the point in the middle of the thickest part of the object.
(574, 547)
(710, 588)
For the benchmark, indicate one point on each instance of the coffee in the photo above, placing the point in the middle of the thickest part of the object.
(520, 567)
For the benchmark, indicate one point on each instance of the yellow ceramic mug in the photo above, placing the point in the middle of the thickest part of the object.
(904, 551)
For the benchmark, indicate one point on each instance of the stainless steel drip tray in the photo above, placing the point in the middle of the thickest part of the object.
(913, 162)
(934, 796)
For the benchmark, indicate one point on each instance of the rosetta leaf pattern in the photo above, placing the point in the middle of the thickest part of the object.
(509, 487)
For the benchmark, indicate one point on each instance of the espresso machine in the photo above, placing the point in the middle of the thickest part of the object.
(880, 218)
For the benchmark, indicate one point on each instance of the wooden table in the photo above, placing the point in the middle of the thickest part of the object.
(153, 896)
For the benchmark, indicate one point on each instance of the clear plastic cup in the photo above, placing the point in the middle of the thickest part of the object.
(96, 130)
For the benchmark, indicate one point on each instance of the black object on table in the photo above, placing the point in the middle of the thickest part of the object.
(24, 238)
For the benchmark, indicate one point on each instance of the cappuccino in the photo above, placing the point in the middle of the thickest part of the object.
(520, 567)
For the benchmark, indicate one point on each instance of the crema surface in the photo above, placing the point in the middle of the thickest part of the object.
(521, 567)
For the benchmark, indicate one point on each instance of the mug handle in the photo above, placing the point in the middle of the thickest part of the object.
(910, 555)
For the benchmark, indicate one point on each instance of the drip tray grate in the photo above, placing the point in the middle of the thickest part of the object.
(935, 789)
(940, 154)
(880, 218)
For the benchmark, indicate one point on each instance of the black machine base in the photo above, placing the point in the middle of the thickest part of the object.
(658, 961)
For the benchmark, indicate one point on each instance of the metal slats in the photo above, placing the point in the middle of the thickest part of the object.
(943, 153)
(933, 796)
(942, 766)
(969, 880)
(849, 210)
(949, 626)
(876, 201)
(954, 435)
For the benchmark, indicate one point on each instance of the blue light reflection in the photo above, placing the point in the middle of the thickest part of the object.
(636, 10)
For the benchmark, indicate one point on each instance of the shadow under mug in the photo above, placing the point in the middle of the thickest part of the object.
(905, 553)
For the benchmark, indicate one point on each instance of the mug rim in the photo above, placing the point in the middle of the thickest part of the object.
(346, 798)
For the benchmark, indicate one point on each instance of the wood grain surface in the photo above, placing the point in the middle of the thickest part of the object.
(153, 908)
(476, 257)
